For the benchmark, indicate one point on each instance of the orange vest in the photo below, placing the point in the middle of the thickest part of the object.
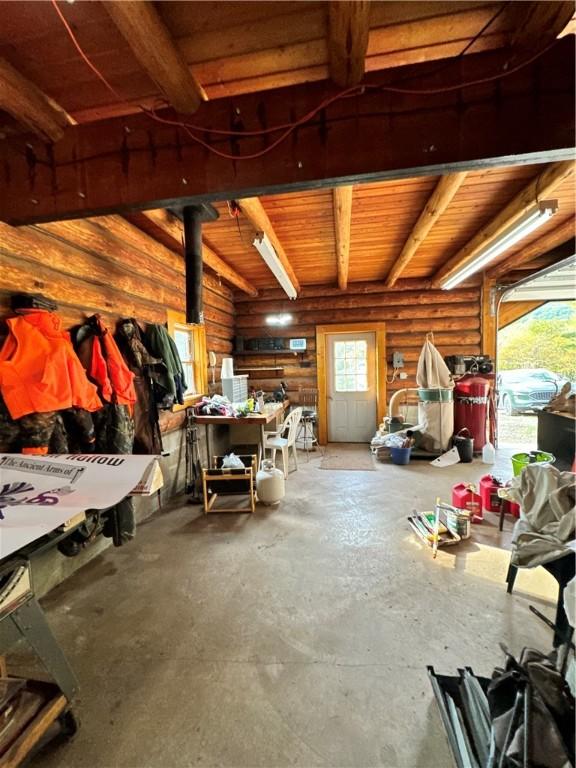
(39, 370)
(108, 368)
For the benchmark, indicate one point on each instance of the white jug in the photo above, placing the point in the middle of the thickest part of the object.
(488, 453)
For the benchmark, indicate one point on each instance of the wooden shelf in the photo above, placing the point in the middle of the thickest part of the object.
(247, 352)
(279, 370)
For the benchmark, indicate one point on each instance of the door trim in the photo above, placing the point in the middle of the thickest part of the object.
(322, 331)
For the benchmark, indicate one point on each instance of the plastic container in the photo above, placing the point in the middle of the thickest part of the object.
(400, 455)
(489, 486)
(464, 444)
(464, 496)
(488, 453)
(521, 460)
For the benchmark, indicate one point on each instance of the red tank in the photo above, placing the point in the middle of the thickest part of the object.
(471, 397)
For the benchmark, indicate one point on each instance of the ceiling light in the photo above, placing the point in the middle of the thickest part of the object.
(283, 319)
(266, 250)
(531, 220)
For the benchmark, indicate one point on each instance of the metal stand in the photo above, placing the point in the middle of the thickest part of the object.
(22, 618)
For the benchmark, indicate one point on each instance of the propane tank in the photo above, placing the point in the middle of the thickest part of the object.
(269, 483)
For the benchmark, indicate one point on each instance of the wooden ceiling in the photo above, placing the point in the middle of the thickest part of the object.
(382, 218)
(218, 49)
(65, 62)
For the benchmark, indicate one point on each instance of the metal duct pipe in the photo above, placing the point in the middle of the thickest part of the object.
(192, 216)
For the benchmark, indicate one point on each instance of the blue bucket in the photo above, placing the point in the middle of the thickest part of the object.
(400, 455)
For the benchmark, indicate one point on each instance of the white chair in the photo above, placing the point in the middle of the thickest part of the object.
(275, 442)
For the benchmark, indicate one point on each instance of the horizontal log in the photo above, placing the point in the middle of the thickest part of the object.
(458, 314)
(523, 117)
(405, 300)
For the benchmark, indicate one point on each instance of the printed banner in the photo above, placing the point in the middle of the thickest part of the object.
(40, 493)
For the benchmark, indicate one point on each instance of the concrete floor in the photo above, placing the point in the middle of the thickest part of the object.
(298, 636)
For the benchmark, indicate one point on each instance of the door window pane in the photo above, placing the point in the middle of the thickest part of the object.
(351, 366)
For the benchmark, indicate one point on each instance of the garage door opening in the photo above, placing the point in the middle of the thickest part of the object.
(536, 351)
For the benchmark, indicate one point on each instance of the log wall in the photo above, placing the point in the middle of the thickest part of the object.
(409, 312)
(106, 265)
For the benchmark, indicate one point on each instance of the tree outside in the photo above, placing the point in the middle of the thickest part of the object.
(545, 338)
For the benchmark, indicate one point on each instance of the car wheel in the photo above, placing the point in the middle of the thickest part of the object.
(507, 404)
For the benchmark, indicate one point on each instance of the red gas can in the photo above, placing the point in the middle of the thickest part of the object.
(471, 395)
(511, 508)
(489, 485)
(464, 496)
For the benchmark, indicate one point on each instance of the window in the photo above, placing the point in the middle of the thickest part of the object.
(351, 366)
(190, 341)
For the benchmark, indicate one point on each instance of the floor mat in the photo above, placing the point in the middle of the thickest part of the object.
(348, 456)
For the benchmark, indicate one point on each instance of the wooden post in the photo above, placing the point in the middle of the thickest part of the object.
(489, 310)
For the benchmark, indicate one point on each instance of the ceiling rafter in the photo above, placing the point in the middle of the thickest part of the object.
(540, 247)
(538, 24)
(348, 31)
(30, 106)
(173, 227)
(437, 203)
(538, 189)
(342, 202)
(145, 32)
(254, 211)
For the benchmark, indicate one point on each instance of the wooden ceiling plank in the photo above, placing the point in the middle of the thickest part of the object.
(30, 106)
(538, 189)
(537, 24)
(173, 226)
(556, 237)
(348, 30)
(254, 211)
(151, 42)
(437, 203)
(342, 202)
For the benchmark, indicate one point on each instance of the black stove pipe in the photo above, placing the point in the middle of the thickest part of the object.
(192, 216)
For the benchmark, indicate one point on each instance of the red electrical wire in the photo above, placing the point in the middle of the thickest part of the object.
(287, 128)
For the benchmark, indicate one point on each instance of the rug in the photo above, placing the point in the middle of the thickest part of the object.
(348, 456)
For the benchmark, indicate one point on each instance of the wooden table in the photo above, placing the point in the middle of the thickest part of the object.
(273, 410)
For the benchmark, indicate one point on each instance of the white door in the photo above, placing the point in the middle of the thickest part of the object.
(351, 387)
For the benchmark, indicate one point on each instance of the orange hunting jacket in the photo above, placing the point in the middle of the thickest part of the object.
(39, 370)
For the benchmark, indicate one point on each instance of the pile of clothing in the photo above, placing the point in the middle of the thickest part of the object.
(85, 391)
(217, 405)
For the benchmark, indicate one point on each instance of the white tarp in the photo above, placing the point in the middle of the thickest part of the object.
(436, 418)
(40, 493)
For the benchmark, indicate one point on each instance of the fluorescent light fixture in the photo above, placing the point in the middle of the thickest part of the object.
(531, 220)
(283, 319)
(266, 250)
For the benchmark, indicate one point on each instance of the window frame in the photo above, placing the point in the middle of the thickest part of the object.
(177, 321)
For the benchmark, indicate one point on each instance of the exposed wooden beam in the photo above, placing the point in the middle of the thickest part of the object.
(132, 163)
(437, 203)
(143, 29)
(29, 106)
(538, 189)
(510, 311)
(539, 23)
(173, 226)
(342, 201)
(348, 29)
(543, 245)
(254, 211)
